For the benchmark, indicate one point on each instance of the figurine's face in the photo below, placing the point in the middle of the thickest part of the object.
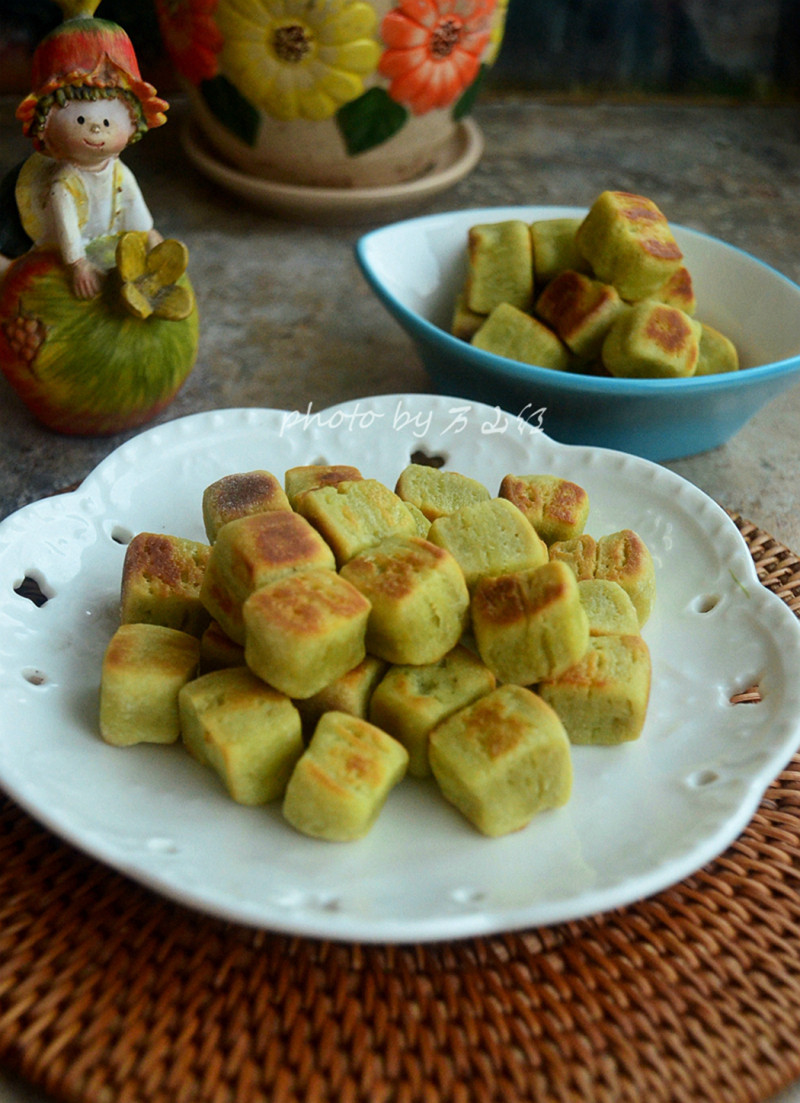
(88, 132)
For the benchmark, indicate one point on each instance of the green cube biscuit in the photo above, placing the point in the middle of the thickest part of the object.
(628, 242)
(354, 515)
(305, 630)
(247, 732)
(717, 352)
(240, 495)
(341, 782)
(162, 577)
(556, 507)
(502, 760)
(517, 335)
(489, 538)
(250, 552)
(652, 341)
(603, 698)
(437, 492)
(418, 597)
(608, 608)
(144, 668)
(580, 310)
(499, 266)
(531, 624)
(410, 701)
(555, 250)
(311, 476)
(465, 322)
(623, 557)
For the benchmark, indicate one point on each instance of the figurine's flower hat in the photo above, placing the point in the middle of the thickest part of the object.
(86, 52)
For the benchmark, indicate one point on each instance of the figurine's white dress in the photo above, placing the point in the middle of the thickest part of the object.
(63, 205)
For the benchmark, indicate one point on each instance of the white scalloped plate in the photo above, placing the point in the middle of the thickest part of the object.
(641, 816)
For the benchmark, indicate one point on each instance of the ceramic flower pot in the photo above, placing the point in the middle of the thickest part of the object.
(336, 93)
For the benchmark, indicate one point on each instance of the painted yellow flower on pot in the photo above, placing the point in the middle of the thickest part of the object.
(498, 30)
(298, 58)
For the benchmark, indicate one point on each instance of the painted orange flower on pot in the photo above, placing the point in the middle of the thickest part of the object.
(191, 37)
(434, 49)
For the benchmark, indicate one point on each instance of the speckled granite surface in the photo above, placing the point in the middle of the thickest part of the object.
(288, 320)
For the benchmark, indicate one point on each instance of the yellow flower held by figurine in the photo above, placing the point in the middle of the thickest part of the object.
(149, 279)
(299, 58)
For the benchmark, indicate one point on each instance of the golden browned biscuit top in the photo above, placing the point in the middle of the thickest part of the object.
(235, 495)
(347, 755)
(665, 250)
(679, 289)
(579, 553)
(135, 645)
(568, 498)
(313, 476)
(332, 476)
(563, 503)
(500, 600)
(641, 213)
(496, 726)
(354, 768)
(164, 558)
(303, 603)
(567, 298)
(669, 329)
(395, 567)
(606, 661)
(525, 495)
(284, 538)
(505, 599)
(624, 554)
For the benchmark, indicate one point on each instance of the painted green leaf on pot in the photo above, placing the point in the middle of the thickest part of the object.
(466, 102)
(370, 120)
(227, 104)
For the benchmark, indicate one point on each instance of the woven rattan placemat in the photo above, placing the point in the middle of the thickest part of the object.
(111, 994)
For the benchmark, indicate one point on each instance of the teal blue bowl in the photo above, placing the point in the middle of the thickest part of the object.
(416, 268)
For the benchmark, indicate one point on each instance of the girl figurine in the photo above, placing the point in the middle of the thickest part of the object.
(98, 323)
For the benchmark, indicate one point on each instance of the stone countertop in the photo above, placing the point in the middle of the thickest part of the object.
(287, 319)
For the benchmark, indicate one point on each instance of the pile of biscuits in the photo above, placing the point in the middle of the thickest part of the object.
(608, 294)
(334, 635)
